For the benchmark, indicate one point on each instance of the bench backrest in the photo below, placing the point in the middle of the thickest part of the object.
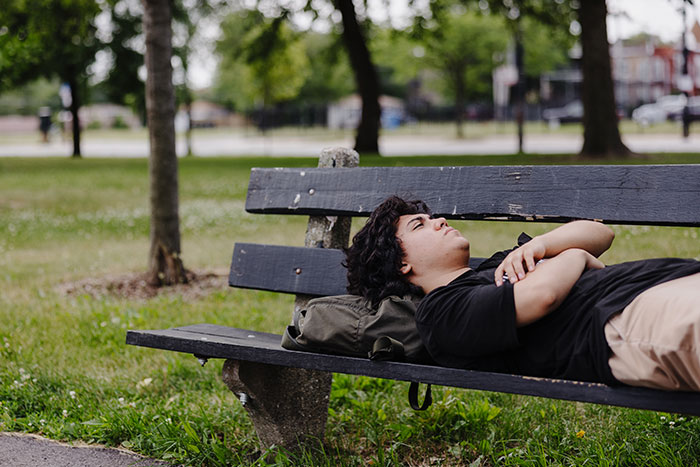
(635, 194)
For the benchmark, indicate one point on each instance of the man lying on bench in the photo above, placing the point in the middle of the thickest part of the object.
(547, 308)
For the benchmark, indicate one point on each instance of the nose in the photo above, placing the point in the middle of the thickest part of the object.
(439, 223)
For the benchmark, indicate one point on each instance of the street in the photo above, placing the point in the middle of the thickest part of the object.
(221, 144)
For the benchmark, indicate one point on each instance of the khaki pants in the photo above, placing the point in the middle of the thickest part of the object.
(655, 341)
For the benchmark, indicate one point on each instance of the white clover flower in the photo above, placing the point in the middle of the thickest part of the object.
(71, 394)
(121, 400)
(65, 413)
(144, 383)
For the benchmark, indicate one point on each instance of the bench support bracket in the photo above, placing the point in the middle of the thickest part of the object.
(284, 411)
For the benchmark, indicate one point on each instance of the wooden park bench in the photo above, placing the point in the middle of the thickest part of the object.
(286, 392)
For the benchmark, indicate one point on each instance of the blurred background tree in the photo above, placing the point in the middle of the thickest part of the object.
(50, 39)
(263, 62)
(291, 61)
(461, 46)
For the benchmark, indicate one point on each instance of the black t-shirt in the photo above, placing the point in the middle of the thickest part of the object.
(470, 323)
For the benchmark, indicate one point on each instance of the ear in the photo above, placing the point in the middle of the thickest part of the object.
(405, 268)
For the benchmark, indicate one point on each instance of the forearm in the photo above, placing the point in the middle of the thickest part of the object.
(545, 288)
(590, 236)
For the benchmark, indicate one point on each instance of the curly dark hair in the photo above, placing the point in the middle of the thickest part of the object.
(375, 257)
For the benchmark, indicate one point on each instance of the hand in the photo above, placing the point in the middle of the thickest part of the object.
(520, 261)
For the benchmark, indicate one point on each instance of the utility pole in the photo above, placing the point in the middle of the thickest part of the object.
(520, 86)
(685, 82)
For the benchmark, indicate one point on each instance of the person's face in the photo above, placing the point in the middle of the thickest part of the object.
(430, 244)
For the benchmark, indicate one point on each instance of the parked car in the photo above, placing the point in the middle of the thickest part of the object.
(571, 112)
(666, 107)
(648, 114)
(693, 110)
(672, 103)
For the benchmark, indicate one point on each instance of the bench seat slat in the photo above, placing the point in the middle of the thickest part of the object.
(239, 344)
(649, 194)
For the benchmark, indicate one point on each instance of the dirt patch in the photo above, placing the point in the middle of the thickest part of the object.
(136, 286)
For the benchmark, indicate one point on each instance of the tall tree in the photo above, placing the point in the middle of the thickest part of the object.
(461, 46)
(52, 39)
(367, 138)
(165, 264)
(262, 60)
(601, 135)
(123, 84)
(536, 29)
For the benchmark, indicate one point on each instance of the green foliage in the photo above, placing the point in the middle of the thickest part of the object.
(47, 38)
(262, 60)
(26, 99)
(122, 85)
(546, 47)
(461, 47)
(330, 75)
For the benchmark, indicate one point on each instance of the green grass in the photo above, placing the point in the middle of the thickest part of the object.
(66, 373)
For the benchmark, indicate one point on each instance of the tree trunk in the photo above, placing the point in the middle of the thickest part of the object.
(601, 136)
(74, 107)
(188, 131)
(367, 139)
(520, 85)
(460, 99)
(165, 265)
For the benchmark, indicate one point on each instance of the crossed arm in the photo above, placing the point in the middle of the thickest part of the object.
(569, 249)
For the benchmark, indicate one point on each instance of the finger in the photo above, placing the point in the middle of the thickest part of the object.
(498, 275)
(519, 269)
(512, 275)
(529, 260)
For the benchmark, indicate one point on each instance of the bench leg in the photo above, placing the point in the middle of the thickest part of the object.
(288, 406)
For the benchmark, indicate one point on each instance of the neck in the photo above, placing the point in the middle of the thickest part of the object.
(435, 280)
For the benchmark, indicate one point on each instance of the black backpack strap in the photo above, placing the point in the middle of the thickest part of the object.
(386, 348)
(413, 396)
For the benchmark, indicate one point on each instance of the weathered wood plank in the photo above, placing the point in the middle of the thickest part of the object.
(296, 270)
(639, 194)
(230, 343)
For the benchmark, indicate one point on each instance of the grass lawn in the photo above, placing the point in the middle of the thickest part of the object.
(66, 373)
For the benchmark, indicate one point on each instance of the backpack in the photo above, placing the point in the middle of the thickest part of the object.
(349, 325)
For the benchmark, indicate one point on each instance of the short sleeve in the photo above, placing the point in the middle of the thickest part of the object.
(468, 320)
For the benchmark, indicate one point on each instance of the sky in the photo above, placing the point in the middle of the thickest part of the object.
(659, 17)
(626, 18)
